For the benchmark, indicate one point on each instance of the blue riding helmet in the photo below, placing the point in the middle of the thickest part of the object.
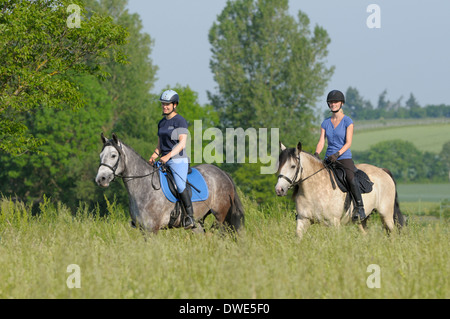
(169, 96)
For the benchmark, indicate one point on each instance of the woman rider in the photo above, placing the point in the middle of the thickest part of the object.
(338, 130)
(172, 135)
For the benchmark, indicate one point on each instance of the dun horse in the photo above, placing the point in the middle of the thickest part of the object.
(318, 202)
(149, 207)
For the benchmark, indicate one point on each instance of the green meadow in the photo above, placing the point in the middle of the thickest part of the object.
(426, 136)
(266, 260)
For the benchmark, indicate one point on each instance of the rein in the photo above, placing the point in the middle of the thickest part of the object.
(114, 168)
(294, 182)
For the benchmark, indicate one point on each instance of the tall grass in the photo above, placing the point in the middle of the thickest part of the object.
(265, 261)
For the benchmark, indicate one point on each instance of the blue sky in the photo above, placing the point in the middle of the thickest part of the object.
(410, 52)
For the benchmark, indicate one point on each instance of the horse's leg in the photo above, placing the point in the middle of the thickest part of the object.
(388, 224)
(302, 225)
(386, 211)
(363, 226)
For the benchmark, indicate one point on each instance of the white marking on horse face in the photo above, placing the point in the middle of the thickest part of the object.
(288, 170)
(105, 175)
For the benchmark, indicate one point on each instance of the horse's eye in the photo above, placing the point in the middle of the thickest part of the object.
(293, 166)
(113, 155)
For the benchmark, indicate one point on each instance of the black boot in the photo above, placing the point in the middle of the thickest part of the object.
(188, 221)
(358, 210)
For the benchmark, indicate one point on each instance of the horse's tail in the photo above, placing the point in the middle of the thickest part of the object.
(399, 219)
(235, 216)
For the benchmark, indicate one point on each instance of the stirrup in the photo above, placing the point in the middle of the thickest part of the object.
(359, 215)
(190, 222)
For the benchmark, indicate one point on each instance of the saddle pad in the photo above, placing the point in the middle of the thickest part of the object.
(364, 181)
(194, 178)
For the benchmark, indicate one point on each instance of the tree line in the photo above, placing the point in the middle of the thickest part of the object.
(359, 108)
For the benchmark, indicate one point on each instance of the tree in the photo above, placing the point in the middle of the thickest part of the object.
(42, 54)
(445, 156)
(415, 110)
(405, 161)
(269, 67)
(119, 103)
(359, 109)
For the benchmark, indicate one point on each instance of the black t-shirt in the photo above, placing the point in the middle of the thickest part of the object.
(169, 132)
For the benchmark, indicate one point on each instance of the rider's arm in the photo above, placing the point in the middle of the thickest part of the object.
(348, 140)
(321, 142)
(179, 147)
(155, 154)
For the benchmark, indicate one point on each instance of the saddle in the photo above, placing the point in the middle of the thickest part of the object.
(365, 184)
(195, 184)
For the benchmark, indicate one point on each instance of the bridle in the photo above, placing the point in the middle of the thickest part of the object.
(116, 165)
(294, 181)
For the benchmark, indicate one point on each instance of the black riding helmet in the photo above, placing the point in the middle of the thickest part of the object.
(336, 95)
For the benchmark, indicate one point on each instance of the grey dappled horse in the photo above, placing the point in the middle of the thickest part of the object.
(318, 202)
(149, 207)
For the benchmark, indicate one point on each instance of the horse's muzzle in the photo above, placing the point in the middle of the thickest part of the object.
(102, 180)
(281, 191)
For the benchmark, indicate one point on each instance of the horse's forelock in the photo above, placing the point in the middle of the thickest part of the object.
(285, 156)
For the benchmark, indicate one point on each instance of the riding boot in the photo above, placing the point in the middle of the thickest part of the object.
(188, 221)
(358, 210)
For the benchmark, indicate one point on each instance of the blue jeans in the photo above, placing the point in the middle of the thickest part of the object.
(179, 167)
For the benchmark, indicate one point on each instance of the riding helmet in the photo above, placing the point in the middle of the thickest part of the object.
(169, 96)
(336, 95)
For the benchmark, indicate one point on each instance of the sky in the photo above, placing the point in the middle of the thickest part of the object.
(403, 46)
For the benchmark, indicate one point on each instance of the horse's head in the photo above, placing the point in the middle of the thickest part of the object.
(111, 163)
(289, 168)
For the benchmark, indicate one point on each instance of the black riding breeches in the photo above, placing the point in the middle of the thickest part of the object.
(350, 168)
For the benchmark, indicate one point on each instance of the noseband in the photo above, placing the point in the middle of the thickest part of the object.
(293, 181)
(113, 168)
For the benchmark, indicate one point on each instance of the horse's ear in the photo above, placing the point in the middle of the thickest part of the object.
(299, 147)
(114, 136)
(104, 139)
(282, 147)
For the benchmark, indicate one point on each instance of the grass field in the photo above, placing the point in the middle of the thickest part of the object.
(429, 137)
(266, 260)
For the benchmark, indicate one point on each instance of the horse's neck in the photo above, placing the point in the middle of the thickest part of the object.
(309, 164)
(315, 176)
(136, 165)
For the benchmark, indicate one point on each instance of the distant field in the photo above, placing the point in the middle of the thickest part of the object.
(429, 137)
(423, 192)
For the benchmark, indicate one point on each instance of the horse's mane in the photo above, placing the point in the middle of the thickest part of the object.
(290, 153)
(131, 149)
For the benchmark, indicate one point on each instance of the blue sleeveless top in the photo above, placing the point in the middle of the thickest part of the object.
(337, 136)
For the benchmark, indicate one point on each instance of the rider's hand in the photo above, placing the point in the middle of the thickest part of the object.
(165, 159)
(153, 159)
(334, 157)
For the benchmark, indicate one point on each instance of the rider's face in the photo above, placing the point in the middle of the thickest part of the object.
(334, 105)
(167, 107)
